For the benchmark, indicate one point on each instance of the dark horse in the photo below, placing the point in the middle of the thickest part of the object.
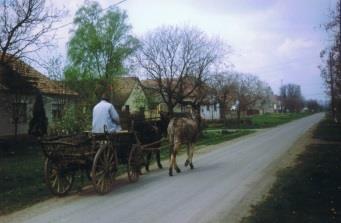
(149, 132)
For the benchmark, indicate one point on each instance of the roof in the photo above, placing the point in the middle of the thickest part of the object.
(36, 79)
(122, 87)
(188, 85)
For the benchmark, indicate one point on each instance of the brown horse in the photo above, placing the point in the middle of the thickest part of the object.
(182, 130)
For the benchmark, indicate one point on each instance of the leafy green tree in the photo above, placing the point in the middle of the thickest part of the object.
(100, 43)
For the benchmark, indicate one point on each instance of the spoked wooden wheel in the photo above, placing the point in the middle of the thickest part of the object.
(58, 178)
(104, 169)
(134, 163)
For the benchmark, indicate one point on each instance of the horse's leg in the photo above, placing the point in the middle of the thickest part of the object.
(171, 159)
(149, 156)
(188, 155)
(158, 159)
(176, 148)
(191, 151)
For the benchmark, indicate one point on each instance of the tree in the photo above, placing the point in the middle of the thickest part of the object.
(291, 97)
(177, 60)
(24, 26)
(331, 71)
(250, 90)
(100, 43)
(224, 87)
(38, 123)
(313, 105)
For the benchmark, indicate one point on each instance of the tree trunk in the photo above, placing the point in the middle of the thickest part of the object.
(238, 115)
(196, 109)
(170, 108)
(222, 111)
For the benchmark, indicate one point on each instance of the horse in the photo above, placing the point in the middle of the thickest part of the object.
(182, 130)
(149, 132)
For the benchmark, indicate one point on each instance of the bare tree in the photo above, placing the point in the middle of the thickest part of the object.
(331, 71)
(291, 97)
(250, 90)
(177, 60)
(23, 24)
(224, 87)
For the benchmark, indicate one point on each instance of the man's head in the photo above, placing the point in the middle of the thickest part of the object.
(105, 96)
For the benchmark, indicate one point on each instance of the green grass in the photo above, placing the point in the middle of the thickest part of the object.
(21, 181)
(274, 119)
(259, 121)
(22, 177)
(311, 190)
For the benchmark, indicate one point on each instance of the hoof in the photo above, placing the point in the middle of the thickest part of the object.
(191, 165)
(186, 163)
(147, 169)
(178, 170)
(170, 173)
(160, 166)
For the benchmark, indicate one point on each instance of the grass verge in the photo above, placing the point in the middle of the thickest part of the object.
(310, 191)
(260, 121)
(22, 177)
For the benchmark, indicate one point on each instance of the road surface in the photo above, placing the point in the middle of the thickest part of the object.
(221, 179)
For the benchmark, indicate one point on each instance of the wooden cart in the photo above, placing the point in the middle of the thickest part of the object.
(97, 155)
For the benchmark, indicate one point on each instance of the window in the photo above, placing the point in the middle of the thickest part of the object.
(207, 107)
(57, 111)
(215, 107)
(19, 113)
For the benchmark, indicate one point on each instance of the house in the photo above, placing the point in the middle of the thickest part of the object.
(210, 111)
(19, 85)
(209, 108)
(129, 95)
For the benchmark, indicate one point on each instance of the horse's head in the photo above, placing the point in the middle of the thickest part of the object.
(195, 115)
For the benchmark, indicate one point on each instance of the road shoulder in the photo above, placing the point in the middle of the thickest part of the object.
(262, 186)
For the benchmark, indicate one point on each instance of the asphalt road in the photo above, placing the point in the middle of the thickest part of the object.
(221, 178)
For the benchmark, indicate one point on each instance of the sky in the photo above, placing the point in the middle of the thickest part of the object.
(278, 40)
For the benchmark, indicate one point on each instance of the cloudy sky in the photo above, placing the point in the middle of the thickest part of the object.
(277, 40)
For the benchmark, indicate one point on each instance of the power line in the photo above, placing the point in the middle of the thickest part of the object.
(105, 9)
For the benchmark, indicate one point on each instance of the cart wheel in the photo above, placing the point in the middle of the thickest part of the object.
(104, 169)
(58, 179)
(134, 163)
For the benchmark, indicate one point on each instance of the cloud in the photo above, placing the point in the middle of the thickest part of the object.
(291, 47)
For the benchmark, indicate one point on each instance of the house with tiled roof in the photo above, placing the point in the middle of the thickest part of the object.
(128, 94)
(19, 85)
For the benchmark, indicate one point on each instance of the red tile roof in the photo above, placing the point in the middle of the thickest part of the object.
(37, 79)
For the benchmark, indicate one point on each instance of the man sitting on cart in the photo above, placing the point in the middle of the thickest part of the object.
(105, 117)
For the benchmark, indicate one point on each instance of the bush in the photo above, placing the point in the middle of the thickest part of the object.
(74, 120)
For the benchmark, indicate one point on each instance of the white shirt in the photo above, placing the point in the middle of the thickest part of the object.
(104, 114)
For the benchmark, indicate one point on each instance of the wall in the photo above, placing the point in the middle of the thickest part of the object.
(208, 112)
(6, 123)
(6, 120)
(136, 99)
